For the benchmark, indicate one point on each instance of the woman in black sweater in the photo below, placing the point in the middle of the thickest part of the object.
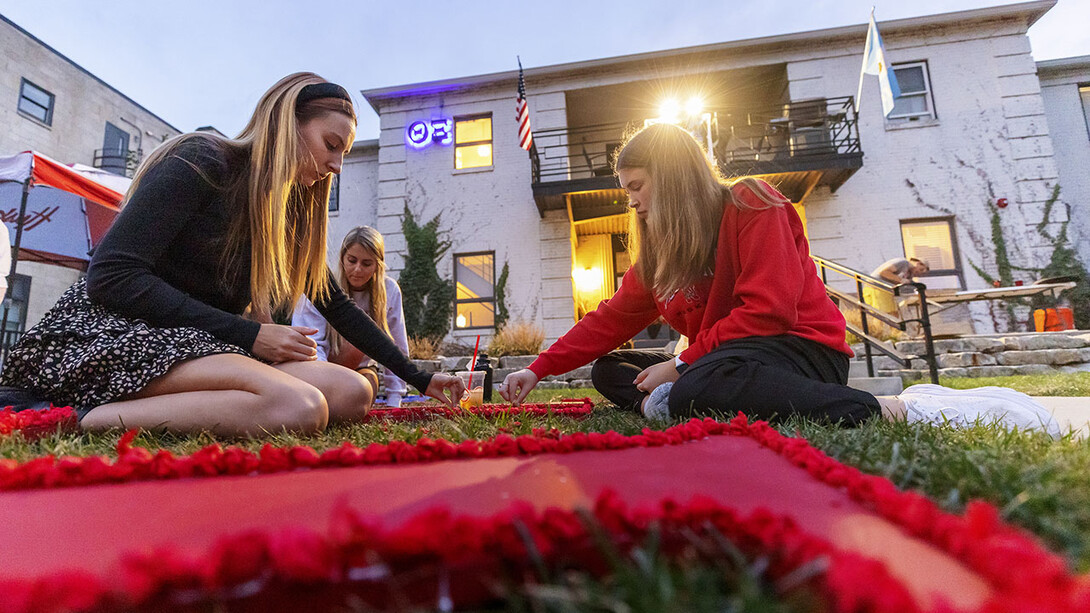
(155, 335)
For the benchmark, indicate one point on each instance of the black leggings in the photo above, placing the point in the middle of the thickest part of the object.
(766, 377)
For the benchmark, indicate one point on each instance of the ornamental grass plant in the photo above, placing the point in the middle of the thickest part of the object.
(517, 338)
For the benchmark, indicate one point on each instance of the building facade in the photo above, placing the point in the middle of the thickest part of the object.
(54, 106)
(968, 143)
(1065, 89)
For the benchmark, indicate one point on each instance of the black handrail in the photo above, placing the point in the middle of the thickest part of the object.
(738, 137)
(867, 311)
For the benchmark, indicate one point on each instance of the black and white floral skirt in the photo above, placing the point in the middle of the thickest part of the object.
(83, 355)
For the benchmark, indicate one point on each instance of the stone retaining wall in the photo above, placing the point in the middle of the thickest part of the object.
(997, 355)
(501, 367)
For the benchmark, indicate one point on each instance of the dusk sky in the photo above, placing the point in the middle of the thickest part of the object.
(202, 62)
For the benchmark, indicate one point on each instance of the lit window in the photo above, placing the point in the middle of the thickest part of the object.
(473, 142)
(475, 284)
(933, 241)
(36, 102)
(915, 101)
(335, 194)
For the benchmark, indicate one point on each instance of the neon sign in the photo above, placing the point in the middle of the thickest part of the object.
(421, 133)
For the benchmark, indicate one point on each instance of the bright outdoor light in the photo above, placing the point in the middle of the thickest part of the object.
(587, 280)
(694, 106)
(669, 110)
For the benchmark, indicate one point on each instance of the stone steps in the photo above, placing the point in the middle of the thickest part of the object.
(998, 355)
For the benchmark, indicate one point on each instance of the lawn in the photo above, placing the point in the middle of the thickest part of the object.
(1037, 483)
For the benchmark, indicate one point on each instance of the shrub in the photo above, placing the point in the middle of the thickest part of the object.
(423, 348)
(427, 298)
(518, 338)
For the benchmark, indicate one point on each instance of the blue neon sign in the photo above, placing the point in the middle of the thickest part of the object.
(420, 133)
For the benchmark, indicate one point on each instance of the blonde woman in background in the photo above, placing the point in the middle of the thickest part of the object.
(362, 275)
(154, 336)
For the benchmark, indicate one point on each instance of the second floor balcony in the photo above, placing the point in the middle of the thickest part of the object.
(121, 162)
(796, 146)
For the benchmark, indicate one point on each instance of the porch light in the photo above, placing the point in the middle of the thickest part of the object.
(588, 280)
(694, 107)
(669, 110)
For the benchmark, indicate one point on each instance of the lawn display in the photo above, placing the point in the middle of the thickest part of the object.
(439, 525)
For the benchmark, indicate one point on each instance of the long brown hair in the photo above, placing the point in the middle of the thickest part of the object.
(371, 240)
(284, 222)
(676, 245)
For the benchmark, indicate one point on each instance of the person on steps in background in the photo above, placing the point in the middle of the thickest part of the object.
(895, 272)
(361, 273)
(727, 264)
(154, 336)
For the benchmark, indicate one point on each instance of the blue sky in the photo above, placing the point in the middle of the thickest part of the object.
(202, 62)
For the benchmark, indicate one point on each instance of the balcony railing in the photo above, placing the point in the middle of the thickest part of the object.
(120, 162)
(805, 135)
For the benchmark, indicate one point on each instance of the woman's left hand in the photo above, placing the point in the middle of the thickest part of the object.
(654, 376)
(442, 383)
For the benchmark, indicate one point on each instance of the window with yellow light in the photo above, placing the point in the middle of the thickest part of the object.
(475, 286)
(473, 142)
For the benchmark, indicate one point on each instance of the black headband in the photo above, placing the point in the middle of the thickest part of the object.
(321, 90)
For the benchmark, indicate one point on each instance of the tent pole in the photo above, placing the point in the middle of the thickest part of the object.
(14, 261)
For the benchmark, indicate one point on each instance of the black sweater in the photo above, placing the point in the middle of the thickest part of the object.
(162, 261)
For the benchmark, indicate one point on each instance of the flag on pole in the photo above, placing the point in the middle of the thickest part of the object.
(522, 114)
(874, 62)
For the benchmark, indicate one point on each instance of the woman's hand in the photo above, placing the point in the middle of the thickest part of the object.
(276, 343)
(442, 383)
(517, 385)
(654, 376)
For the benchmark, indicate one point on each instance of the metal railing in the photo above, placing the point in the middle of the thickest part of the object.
(120, 162)
(782, 133)
(868, 312)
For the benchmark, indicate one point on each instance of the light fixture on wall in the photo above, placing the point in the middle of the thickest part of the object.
(587, 280)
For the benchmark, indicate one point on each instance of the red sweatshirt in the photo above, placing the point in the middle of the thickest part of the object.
(765, 284)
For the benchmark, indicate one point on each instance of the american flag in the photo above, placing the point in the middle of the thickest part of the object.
(522, 114)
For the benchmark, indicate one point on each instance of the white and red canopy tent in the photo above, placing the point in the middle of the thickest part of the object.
(62, 213)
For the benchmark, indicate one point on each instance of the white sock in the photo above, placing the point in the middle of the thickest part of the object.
(657, 405)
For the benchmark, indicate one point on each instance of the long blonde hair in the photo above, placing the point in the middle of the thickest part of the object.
(284, 222)
(371, 240)
(675, 246)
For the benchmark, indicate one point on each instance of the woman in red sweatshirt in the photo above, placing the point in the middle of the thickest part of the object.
(727, 265)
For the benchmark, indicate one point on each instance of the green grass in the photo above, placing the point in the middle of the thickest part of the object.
(1075, 384)
(1037, 483)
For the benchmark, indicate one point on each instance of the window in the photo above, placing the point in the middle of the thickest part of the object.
(475, 286)
(621, 260)
(934, 242)
(915, 101)
(335, 194)
(1084, 95)
(473, 142)
(35, 102)
(15, 310)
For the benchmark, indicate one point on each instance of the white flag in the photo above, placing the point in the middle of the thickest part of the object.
(874, 62)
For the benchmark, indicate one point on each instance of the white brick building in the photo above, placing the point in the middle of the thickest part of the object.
(54, 106)
(1065, 88)
(968, 140)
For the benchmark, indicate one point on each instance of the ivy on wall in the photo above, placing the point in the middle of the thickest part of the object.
(1063, 262)
(501, 297)
(427, 298)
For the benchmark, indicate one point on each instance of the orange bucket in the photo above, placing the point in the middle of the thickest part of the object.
(1053, 320)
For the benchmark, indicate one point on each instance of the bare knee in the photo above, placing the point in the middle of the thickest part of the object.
(295, 406)
(351, 397)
